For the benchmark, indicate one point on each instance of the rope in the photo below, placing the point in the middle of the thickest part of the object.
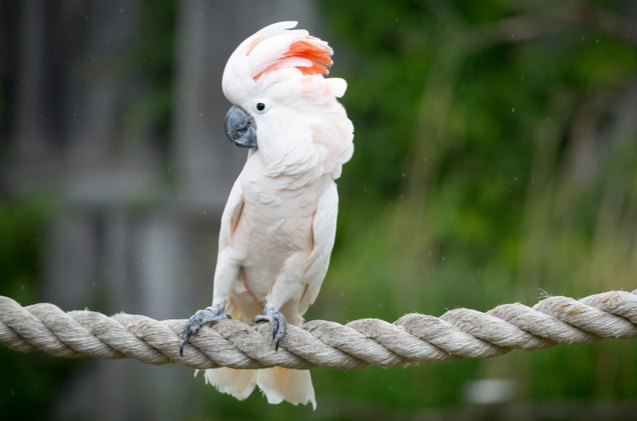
(459, 333)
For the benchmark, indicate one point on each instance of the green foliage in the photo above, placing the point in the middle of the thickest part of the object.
(21, 231)
(30, 382)
(473, 183)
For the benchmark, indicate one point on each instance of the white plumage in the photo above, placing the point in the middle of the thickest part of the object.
(278, 226)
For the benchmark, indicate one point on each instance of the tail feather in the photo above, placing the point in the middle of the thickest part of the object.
(235, 382)
(294, 386)
(276, 383)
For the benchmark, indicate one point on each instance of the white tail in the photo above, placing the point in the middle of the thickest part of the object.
(276, 383)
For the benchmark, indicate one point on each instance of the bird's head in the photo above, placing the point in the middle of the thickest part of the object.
(275, 81)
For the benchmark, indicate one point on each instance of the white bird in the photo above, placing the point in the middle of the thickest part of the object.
(278, 226)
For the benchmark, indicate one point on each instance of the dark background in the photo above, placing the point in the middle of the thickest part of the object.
(495, 161)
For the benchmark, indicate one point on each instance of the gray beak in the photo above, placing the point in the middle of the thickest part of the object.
(241, 127)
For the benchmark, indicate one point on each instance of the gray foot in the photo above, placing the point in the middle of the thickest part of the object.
(206, 316)
(277, 321)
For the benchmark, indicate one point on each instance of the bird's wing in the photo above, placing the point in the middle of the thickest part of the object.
(231, 215)
(324, 232)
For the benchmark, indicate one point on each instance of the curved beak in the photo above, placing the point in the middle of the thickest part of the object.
(241, 127)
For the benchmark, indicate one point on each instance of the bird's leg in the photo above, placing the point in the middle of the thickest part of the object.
(287, 289)
(277, 322)
(225, 276)
(206, 316)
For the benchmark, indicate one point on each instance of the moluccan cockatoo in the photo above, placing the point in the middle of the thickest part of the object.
(278, 226)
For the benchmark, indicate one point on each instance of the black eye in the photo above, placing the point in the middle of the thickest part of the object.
(261, 107)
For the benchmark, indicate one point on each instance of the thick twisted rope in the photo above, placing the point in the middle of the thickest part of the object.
(459, 333)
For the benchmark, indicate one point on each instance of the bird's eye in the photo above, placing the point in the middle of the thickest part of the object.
(261, 107)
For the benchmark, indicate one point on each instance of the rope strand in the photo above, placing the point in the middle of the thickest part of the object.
(459, 333)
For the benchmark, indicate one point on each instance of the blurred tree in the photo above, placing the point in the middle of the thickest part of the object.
(496, 149)
(21, 227)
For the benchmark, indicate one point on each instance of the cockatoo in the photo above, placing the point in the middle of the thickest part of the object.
(278, 226)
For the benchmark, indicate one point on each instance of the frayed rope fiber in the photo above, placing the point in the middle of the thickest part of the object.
(459, 333)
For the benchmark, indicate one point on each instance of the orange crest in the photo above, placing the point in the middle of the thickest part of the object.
(317, 52)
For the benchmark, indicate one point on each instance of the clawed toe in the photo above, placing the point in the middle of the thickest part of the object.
(208, 315)
(277, 322)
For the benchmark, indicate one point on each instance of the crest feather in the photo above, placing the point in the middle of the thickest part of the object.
(308, 54)
(276, 47)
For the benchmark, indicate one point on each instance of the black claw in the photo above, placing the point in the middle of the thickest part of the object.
(277, 322)
(208, 315)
